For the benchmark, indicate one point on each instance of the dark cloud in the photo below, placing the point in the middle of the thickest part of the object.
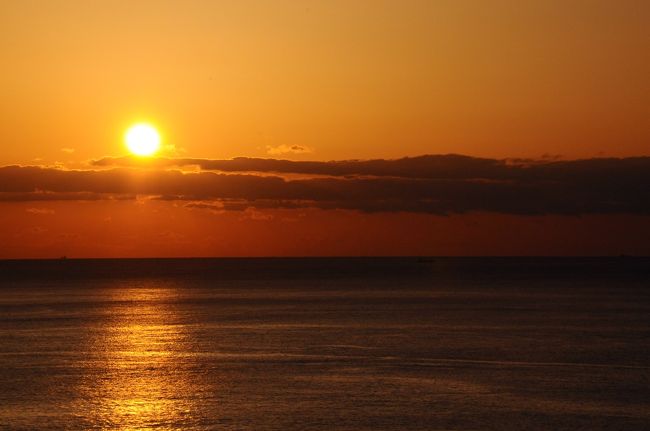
(432, 184)
(448, 166)
(60, 196)
(430, 166)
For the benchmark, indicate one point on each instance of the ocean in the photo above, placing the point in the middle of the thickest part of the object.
(325, 344)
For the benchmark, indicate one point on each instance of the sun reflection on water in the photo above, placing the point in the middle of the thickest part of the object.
(141, 380)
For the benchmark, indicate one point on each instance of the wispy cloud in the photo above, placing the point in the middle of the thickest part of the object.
(288, 149)
(40, 211)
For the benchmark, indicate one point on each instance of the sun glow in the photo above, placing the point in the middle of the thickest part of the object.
(142, 139)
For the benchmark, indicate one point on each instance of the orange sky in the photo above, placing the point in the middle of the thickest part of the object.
(320, 81)
(132, 229)
(347, 79)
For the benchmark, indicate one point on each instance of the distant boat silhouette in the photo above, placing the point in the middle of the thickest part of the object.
(64, 257)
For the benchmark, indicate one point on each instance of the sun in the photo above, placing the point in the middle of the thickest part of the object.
(142, 139)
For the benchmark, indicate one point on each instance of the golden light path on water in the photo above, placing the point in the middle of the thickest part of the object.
(139, 384)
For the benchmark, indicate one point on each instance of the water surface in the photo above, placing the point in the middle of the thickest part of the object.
(325, 344)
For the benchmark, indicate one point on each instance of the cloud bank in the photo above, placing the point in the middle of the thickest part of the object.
(437, 184)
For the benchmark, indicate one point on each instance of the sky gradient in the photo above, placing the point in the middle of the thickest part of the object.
(325, 128)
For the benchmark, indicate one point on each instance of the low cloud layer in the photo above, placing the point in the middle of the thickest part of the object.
(441, 184)
(448, 166)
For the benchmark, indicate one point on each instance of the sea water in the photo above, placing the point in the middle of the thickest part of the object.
(325, 344)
